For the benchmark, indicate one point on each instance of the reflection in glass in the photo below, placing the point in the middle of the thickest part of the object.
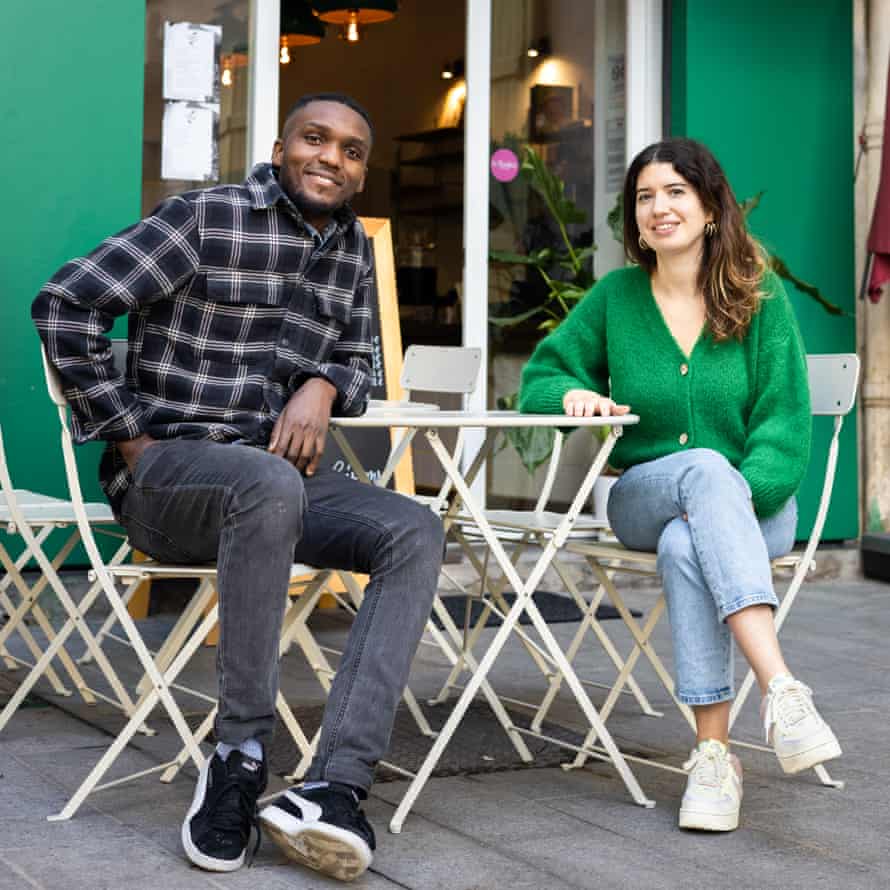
(232, 133)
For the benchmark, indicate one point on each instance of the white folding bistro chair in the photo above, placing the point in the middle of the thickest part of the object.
(832, 380)
(163, 668)
(523, 529)
(31, 518)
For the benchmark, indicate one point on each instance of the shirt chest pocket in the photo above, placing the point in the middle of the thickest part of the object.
(318, 325)
(237, 320)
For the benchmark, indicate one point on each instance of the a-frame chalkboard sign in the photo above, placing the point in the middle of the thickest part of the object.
(372, 446)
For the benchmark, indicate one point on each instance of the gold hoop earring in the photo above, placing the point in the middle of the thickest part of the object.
(643, 244)
(710, 229)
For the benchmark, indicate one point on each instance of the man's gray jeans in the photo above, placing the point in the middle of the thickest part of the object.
(254, 514)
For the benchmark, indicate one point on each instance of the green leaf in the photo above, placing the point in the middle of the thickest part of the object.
(507, 321)
(750, 204)
(780, 267)
(533, 444)
(515, 259)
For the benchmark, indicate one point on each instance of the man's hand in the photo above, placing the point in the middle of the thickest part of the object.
(586, 403)
(132, 449)
(300, 431)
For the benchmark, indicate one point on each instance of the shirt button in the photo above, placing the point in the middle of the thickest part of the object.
(285, 341)
(684, 369)
(683, 438)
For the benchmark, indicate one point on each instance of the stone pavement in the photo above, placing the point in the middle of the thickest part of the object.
(525, 829)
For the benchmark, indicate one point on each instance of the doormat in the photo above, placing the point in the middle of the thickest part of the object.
(479, 745)
(556, 608)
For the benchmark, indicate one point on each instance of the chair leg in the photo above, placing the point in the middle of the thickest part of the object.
(16, 614)
(76, 620)
(159, 692)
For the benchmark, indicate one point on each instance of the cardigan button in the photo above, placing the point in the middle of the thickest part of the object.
(683, 438)
(684, 369)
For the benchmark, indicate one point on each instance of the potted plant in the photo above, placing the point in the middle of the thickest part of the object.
(566, 271)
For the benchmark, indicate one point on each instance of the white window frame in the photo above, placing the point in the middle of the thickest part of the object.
(262, 94)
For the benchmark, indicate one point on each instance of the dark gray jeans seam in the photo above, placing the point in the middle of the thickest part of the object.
(365, 629)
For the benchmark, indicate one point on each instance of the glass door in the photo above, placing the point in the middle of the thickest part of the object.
(553, 153)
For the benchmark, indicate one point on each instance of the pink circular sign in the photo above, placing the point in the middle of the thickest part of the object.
(504, 165)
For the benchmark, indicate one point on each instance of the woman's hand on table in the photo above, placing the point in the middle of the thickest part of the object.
(586, 403)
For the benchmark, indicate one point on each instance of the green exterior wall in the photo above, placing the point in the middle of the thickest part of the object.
(71, 96)
(768, 86)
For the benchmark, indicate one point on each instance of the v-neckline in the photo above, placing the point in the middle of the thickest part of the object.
(667, 328)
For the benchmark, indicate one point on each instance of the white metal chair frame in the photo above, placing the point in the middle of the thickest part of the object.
(161, 670)
(33, 517)
(833, 381)
(524, 529)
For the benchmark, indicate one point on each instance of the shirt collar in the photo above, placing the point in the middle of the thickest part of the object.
(266, 192)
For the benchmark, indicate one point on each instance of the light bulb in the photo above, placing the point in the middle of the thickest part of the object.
(352, 31)
(532, 52)
(227, 77)
(284, 55)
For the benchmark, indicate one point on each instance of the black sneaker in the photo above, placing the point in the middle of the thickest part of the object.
(323, 829)
(217, 828)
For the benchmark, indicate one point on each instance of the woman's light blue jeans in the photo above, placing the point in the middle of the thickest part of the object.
(712, 563)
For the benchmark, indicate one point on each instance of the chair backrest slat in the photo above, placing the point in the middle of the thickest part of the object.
(450, 369)
(833, 382)
(119, 354)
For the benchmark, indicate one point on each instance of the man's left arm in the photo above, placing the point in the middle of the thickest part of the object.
(342, 386)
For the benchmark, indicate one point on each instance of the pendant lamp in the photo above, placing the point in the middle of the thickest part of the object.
(352, 15)
(299, 27)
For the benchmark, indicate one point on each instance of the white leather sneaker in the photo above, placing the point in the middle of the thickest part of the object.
(793, 726)
(713, 794)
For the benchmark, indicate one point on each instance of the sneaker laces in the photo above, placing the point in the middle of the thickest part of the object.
(708, 764)
(787, 705)
(236, 807)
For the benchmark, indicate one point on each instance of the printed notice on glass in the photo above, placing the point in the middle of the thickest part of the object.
(615, 129)
(190, 53)
(188, 145)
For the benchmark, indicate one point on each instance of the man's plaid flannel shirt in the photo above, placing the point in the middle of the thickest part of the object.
(231, 309)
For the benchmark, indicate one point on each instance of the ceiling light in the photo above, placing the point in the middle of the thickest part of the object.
(300, 26)
(353, 15)
(538, 48)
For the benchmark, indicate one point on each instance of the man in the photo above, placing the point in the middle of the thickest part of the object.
(249, 315)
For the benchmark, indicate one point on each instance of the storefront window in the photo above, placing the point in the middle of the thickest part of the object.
(231, 131)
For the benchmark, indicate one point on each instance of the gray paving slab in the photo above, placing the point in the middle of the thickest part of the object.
(523, 829)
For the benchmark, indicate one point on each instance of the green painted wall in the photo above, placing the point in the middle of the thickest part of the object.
(768, 86)
(71, 93)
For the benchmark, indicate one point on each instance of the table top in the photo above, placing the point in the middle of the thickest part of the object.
(431, 419)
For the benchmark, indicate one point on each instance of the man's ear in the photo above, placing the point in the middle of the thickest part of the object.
(277, 151)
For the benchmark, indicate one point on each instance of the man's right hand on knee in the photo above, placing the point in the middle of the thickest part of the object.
(131, 450)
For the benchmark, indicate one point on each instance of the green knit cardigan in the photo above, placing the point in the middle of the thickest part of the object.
(748, 399)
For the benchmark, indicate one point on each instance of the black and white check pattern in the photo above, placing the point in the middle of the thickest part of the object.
(231, 309)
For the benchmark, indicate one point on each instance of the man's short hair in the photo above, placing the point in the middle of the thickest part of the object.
(340, 98)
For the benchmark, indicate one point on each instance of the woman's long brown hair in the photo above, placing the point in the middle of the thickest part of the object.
(733, 264)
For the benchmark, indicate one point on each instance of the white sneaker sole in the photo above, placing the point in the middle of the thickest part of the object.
(703, 821)
(325, 848)
(194, 855)
(826, 749)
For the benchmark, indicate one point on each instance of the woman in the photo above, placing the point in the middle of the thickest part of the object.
(699, 337)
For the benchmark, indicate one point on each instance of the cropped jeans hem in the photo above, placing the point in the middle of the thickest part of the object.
(705, 698)
(744, 602)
